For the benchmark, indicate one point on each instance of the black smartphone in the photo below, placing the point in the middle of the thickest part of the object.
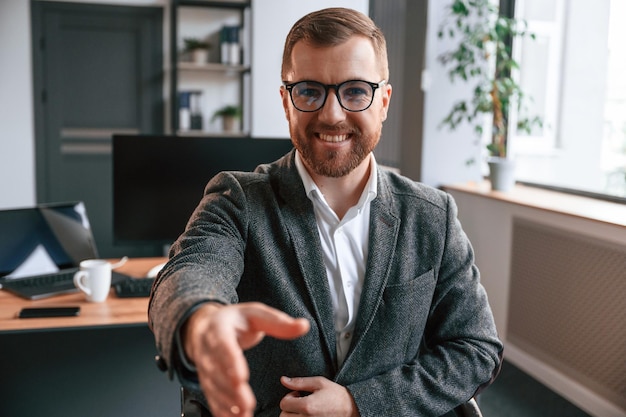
(32, 312)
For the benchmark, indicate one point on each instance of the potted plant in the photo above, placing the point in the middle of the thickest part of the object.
(229, 114)
(483, 55)
(198, 49)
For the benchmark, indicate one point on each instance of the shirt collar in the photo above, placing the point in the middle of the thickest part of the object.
(312, 190)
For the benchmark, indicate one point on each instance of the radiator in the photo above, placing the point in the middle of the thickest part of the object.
(567, 305)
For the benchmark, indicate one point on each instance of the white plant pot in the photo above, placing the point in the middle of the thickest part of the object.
(200, 56)
(230, 124)
(501, 173)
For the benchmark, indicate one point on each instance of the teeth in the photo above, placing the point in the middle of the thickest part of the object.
(333, 138)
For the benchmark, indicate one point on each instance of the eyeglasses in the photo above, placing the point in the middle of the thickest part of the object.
(353, 95)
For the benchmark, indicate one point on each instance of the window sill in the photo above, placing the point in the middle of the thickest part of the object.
(553, 201)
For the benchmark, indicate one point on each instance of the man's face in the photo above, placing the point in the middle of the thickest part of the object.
(333, 141)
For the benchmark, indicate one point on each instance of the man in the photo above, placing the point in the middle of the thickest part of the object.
(321, 284)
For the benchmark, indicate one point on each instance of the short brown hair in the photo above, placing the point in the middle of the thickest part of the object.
(334, 26)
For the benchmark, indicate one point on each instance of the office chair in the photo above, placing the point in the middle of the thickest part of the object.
(191, 408)
(468, 409)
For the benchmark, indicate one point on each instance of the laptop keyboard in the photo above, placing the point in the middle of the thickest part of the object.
(43, 286)
(42, 280)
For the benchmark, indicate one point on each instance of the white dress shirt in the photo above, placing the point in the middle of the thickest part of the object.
(344, 246)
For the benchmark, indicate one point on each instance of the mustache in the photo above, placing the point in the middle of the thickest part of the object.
(338, 128)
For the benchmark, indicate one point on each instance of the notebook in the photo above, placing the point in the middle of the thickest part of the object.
(41, 248)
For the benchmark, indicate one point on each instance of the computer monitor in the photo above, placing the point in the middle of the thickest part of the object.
(159, 180)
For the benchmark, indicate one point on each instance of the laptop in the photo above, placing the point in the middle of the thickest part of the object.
(41, 248)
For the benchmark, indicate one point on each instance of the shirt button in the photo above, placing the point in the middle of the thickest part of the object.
(347, 335)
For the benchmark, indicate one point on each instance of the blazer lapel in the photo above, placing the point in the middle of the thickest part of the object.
(299, 218)
(383, 235)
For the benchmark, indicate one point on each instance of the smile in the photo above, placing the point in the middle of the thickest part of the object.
(333, 138)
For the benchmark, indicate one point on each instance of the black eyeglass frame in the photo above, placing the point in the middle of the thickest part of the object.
(289, 87)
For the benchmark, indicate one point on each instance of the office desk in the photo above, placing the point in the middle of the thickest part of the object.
(98, 364)
(115, 311)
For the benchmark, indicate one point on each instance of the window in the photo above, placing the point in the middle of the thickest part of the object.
(573, 70)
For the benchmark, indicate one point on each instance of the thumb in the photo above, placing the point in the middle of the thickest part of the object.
(301, 384)
(289, 383)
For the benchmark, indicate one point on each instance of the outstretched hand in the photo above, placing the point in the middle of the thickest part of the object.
(215, 337)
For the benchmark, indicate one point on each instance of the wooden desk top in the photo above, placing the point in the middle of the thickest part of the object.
(114, 311)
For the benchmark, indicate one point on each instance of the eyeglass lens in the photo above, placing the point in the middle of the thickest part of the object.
(311, 95)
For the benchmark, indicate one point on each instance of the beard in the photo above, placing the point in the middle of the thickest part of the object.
(334, 163)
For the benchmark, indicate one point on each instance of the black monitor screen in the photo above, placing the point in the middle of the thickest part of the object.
(159, 180)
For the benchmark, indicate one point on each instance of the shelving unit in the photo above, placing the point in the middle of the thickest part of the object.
(214, 83)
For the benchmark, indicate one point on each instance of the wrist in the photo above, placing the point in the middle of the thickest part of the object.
(196, 325)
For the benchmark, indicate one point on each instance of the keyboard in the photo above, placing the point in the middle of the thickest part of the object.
(42, 286)
(134, 287)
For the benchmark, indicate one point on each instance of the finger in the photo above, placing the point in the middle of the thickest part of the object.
(303, 385)
(225, 396)
(227, 356)
(273, 322)
(220, 380)
(284, 413)
(221, 403)
(223, 372)
(292, 404)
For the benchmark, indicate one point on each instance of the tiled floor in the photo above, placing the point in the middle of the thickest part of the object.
(516, 394)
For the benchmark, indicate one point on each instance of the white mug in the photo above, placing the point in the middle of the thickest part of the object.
(94, 279)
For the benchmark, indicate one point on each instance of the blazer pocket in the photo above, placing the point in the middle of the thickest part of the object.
(405, 310)
(416, 287)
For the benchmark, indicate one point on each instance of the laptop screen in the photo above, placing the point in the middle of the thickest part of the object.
(44, 239)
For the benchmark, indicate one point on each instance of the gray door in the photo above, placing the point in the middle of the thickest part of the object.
(98, 70)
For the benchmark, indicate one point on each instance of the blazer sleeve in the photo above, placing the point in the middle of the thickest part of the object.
(206, 263)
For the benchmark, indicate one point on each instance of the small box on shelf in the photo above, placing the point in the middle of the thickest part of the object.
(189, 111)
(230, 47)
(184, 112)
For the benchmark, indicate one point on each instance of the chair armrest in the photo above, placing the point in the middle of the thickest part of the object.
(468, 409)
(189, 406)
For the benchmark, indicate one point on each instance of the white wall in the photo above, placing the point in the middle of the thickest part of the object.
(444, 153)
(271, 20)
(17, 153)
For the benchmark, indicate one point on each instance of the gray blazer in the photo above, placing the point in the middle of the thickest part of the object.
(425, 338)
